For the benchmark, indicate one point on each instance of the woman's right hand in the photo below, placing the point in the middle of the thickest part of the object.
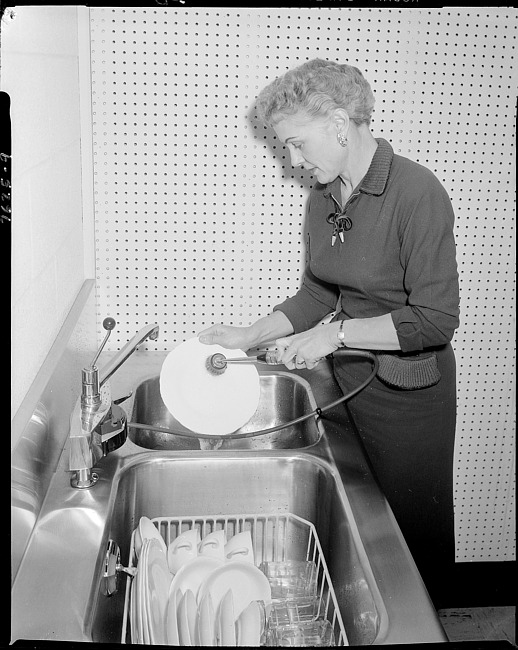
(228, 336)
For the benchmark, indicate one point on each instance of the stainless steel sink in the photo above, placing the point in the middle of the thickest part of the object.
(284, 397)
(298, 484)
(316, 471)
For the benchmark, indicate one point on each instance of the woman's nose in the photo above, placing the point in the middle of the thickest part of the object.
(296, 158)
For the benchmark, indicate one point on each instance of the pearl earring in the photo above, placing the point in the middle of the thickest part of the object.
(342, 138)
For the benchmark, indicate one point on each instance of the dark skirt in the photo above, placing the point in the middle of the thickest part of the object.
(409, 438)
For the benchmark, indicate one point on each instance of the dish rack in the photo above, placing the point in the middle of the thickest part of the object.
(275, 538)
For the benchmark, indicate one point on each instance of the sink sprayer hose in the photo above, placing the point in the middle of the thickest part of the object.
(316, 412)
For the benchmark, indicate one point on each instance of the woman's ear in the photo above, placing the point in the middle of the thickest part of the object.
(341, 120)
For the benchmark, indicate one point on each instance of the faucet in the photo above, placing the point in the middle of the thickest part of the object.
(98, 424)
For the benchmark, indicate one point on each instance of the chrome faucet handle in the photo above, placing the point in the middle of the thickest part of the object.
(108, 324)
(91, 388)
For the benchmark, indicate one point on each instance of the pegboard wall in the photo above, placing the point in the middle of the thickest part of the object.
(199, 214)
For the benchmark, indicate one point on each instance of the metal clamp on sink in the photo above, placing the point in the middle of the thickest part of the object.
(99, 425)
(113, 568)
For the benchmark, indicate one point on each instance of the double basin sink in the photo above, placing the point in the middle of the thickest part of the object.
(314, 470)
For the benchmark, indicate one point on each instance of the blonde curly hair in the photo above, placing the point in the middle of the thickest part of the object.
(317, 87)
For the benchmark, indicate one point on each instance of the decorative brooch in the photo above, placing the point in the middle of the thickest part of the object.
(340, 220)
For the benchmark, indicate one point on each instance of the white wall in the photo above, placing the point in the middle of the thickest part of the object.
(40, 72)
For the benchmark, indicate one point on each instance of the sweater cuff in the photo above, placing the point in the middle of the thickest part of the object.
(294, 314)
(408, 330)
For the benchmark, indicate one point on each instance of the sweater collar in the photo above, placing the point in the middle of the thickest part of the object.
(375, 180)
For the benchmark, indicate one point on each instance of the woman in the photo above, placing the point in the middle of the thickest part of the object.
(382, 254)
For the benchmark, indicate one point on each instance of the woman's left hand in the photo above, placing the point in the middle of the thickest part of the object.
(306, 349)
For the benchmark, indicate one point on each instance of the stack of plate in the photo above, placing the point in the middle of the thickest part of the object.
(208, 602)
(181, 598)
(149, 594)
(217, 603)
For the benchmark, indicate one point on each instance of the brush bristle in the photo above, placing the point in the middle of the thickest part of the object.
(216, 364)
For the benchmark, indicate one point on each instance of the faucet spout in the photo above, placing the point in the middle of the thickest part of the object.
(147, 332)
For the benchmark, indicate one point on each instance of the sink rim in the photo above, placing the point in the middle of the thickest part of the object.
(171, 455)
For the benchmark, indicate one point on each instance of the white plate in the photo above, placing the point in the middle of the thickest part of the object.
(245, 580)
(194, 573)
(171, 624)
(133, 612)
(187, 618)
(205, 634)
(157, 585)
(249, 625)
(141, 592)
(136, 542)
(226, 621)
(201, 401)
(148, 530)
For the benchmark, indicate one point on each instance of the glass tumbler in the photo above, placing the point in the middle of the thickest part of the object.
(290, 611)
(309, 634)
(291, 579)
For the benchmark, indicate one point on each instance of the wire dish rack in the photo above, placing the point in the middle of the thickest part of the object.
(275, 538)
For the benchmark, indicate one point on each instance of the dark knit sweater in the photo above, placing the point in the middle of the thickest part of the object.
(398, 257)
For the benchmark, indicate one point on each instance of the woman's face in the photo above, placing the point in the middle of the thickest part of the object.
(313, 145)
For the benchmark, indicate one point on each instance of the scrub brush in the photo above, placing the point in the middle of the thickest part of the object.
(217, 363)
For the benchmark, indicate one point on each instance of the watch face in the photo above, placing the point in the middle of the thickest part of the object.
(341, 335)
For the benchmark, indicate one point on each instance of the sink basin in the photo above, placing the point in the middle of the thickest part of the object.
(230, 484)
(283, 397)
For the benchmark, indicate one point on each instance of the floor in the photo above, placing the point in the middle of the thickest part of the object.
(479, 623)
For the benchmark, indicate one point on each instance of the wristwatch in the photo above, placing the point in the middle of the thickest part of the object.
(341, 334)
